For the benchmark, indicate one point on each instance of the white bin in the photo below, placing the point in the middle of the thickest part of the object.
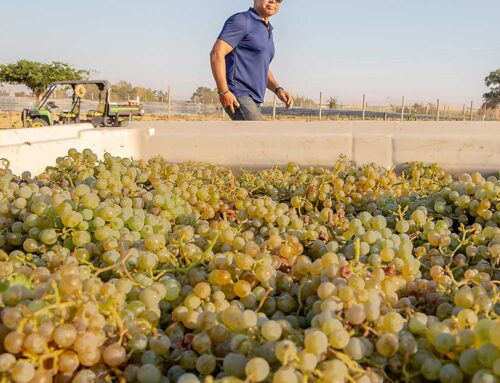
(455, 146)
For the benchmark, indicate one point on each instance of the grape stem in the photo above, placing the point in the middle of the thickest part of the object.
(463, 242)
(121, 263)
(266, 295)
(378, 367)
(357, 249)
(299, 295)
(368, 329)
(351, 364)
(408, 377)
(184, 270)
(56, 305)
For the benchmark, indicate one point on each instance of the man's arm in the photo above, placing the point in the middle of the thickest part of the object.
(218, 63)
(282, 94)
(272, 84)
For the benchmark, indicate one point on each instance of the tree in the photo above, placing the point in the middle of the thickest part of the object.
(205, 95)
(37, 76)
(333, 103)
(422, 108)
(492, 97)
(122, 90)
(302, 102)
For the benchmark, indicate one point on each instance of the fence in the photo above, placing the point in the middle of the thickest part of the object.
(17, 104)
(436, 111)
(275, 110)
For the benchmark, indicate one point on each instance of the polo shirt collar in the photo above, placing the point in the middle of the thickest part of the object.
(256, 16)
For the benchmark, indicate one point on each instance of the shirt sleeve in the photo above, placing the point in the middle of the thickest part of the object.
(235, 28)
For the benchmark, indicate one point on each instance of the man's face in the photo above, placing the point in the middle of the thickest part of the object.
(267, 8)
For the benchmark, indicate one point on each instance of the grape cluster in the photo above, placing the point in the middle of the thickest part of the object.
(127, 270)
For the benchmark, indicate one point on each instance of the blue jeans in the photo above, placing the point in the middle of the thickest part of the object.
(249, 110)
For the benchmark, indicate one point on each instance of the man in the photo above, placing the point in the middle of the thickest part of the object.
(240, 62)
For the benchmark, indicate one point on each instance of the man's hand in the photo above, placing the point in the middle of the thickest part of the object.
(286, 97)
(229, 101)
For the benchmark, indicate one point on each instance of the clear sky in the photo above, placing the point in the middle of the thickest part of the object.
(420, 49)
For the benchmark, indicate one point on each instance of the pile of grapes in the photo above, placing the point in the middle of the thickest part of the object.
(121, 270)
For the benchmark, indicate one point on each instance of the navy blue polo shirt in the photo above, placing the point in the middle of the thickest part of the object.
(247, 66)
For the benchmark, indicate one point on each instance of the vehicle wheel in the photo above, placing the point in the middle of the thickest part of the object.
(38, 123)
(108, 123)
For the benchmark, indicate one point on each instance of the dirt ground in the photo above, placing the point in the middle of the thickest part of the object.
(13, 119)
(10, 119)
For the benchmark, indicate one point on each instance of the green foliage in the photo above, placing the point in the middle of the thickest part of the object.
(37, 76)
(333, 103)
(123, 90)
(205, 95)
(302, 102)
(492, 97)
(422, 108)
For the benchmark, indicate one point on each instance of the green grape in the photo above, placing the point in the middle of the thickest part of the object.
(22, 372)
(487, 354)
(285, 350)
(13, 342)
(356, 315)
(496, 367)
(242, 289)
(71, 218)
(202, 290)
(393, 322)
(494, 334)
(173, 291)
(149, 373)
(35, 343)
(48, 236)
(464, 297)
(257, 369)
(431, 368)
(418, 323)
(484, 376)
(234, 364)
(114, 355)
(249, 319)
(444, 343)
(189, 272)
(154, 242)
(355, 349)
(201, 343)
(189, 378)
(339, 339)
(469, 361)
(450, 373)
(387, 345)
(285, 375)
(483, 331)
(316, 342)
(147, 261)
(206, 364)
(81, 238)
(84, 376)
(6, 362)
(271, 330)
(334, 370)
(68, 362)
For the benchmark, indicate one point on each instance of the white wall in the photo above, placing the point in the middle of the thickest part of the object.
(456, 146)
